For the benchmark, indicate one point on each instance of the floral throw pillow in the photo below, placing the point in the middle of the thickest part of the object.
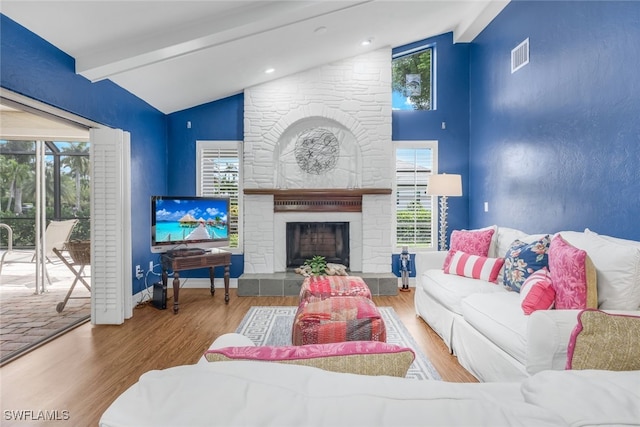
(574, 276)
(472, 242)
(523, 259)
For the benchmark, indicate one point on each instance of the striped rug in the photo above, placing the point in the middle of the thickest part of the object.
(272, 326)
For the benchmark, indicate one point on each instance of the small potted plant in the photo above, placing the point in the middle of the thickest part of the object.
(317, 265)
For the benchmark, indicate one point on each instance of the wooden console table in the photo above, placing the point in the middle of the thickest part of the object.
(176, 263)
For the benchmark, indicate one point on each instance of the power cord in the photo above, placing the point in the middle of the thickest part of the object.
(146, 296)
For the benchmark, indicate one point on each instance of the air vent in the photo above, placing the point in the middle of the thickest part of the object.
(520, 56)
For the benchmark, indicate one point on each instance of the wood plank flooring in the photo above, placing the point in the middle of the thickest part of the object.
(83, 371)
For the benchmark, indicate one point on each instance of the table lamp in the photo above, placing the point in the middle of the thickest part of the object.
(444, 185)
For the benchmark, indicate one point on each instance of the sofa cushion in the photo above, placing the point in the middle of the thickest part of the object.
(522, 259)
(449, 290)
(473, 242)
(573, 276)
(476, 267)
(502, 240)
(537, 292)
(499, 318)
(617, 263)
(356, 357)
(605, 341)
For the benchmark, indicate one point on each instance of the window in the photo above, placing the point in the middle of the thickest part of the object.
(412, 76)
(67, 176)
(219, 174)
(415, 162)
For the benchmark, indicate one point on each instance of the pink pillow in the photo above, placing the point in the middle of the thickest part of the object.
(356, 357)
(537, 292)
(573, 276)
(474, 266)
(474, 242)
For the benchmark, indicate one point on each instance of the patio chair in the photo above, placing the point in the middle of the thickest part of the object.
(80, 253)
(57, 235)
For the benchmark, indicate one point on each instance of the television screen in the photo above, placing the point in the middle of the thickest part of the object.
(188, 222)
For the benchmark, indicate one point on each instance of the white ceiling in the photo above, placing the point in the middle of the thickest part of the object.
(180, 54)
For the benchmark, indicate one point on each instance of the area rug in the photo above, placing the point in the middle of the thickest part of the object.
(272, 326)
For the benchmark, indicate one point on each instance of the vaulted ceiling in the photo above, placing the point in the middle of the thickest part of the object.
(180, 54)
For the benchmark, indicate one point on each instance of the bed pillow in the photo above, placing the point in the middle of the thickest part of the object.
(476, 267)
(523, 259)
(573, 275)
(355, 357)
(537, 292)
(473, 242)
(605, 341)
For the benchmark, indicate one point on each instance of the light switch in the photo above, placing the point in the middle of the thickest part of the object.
(486, 206)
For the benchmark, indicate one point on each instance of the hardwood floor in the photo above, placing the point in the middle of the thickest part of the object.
(83, 371)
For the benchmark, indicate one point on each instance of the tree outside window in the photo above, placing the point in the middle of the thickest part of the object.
(412, 80)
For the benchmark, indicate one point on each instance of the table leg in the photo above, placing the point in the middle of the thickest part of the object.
(211, 278)
(176, 290)
(226, 284)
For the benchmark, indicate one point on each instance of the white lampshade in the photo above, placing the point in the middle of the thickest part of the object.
(445, 185)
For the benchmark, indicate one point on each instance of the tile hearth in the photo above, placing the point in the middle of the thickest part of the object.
(289, 283)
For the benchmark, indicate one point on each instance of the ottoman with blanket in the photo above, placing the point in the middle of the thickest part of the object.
(337, 319)
(323, 287)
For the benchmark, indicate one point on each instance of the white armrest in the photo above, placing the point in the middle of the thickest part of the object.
(548, 334)
(429, 261)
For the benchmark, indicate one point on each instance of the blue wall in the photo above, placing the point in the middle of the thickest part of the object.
(556, 145)
(33, 67)
(221, 120)
(452, 107)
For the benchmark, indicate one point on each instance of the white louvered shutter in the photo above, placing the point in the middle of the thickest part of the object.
(219, 174)
(111, 289)
(414, 208)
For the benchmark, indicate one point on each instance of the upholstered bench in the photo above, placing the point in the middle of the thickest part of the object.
(337, 319)
(323, 287)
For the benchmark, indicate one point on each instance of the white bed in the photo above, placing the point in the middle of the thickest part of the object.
(272, 394)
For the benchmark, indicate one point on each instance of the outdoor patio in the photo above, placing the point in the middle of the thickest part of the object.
(28, 319)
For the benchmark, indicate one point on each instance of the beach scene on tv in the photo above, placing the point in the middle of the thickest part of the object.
(192, 219)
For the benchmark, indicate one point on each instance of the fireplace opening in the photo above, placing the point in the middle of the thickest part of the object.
(304, 240)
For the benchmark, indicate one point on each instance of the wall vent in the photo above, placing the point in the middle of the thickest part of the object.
(520, 56)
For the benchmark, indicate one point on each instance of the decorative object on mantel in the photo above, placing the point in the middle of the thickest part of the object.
(444, 185)
(317, 151)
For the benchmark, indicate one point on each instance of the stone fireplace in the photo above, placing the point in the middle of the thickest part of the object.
(318, 149)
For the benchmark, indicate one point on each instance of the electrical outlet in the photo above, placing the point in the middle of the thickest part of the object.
(139, 272)
(150, 265)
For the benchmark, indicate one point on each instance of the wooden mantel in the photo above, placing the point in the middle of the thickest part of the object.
(317, 199)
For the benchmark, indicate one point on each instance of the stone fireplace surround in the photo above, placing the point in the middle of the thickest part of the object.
(352, 99)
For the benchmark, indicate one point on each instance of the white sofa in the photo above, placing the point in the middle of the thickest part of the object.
(243, 393)
(484, 325)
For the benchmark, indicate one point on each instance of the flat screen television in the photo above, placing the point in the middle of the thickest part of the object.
(189, 222)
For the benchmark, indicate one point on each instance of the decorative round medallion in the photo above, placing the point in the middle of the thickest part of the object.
(317, 151)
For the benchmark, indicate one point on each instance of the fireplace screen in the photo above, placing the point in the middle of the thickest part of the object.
(308, 239)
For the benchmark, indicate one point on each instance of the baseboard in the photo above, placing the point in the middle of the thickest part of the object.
(186, 283)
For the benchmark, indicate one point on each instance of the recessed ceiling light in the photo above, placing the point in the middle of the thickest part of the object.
(366, 42)
(269, 70)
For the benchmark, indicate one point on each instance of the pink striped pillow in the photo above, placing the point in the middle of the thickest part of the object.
(474, 266)
(537, 292)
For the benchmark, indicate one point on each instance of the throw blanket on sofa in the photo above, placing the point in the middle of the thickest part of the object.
(271, 394)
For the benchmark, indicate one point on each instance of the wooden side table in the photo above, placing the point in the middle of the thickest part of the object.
(212, 259)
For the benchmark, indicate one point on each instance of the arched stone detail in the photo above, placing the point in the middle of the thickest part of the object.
(351, 136)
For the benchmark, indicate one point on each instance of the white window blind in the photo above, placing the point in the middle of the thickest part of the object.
(219, 174)
(414, 208)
